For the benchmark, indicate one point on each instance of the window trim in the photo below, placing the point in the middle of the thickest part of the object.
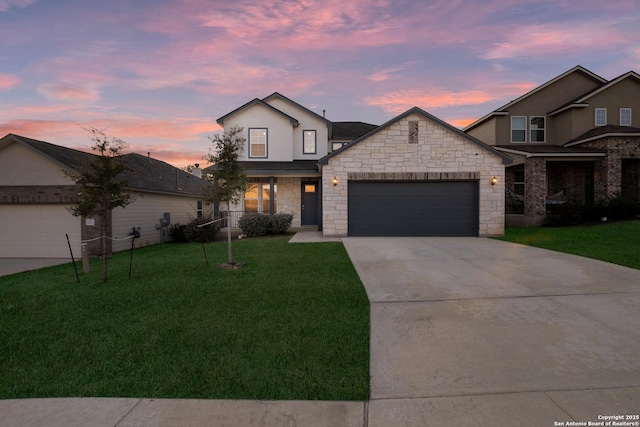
(518, 129)
(630, 116)
(596, 116)
(304, 141)
(266, 143)
(544, 130)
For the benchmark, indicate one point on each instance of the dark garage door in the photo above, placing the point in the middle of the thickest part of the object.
(414, 208)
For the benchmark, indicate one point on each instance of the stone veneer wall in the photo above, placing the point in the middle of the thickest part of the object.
(290, 198)
(439, 152)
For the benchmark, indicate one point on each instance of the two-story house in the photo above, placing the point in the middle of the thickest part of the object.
(575, 138)
(413, 175)
(285, 141)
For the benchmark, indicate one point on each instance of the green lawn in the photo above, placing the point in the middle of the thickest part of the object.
(293, 324)
(617, 242)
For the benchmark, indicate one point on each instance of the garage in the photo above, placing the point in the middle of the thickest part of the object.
(38, 231)
(413, 208)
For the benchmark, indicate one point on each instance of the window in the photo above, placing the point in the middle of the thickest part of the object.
(536, 127)
(413, 132)
(518, 182)
(199, 209)
(258, 142)
(625, 117)
(518, 129)
(257, 197)
(309, 142)
(601, 116)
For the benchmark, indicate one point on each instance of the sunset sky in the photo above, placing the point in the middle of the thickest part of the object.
(158, 73)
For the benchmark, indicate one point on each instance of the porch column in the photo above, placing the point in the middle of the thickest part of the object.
(535, 190)
(272, 193)
(614, 174)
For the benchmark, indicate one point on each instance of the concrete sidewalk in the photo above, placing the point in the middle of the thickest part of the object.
(464, 331)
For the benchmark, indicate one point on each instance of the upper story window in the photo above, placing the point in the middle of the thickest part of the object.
(625, 117)
(518, 129)
(601, 116)
(258, 142)
(537, 128)
(309, 142)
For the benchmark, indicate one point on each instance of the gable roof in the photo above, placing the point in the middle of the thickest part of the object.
(350, 130)
(603, 132)
(415, 110)
(502, 110)
(582, 100)
(146, 173)
(261, 103)
(277, 95)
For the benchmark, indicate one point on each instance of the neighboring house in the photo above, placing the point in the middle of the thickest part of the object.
(576, 138)
(35, 197)
(414, 175)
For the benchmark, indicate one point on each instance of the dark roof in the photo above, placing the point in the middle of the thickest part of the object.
(146, 173)
(294, 167)
(260, 102)
(415, 110)
(302, 107)
(549, 150)
(604, 131)
(351, 130)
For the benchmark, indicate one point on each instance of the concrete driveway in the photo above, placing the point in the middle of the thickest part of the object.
(473, 331)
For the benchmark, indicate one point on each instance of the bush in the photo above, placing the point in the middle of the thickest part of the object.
(613, 209)
(177, 233)
(193, 233)
(280, 223)
(256, 224)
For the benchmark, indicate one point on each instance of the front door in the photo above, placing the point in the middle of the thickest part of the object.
(309, 208)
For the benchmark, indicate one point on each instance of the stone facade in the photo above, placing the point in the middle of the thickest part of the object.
(440, 154)
(609, 183)
(289, 198)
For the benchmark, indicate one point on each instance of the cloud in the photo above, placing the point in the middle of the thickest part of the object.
(7, 81)
(556, 39)
(396, 102)
(69, 92)
(5, 5)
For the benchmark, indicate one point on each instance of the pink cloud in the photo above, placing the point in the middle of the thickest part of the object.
(7, 81)
(5, 5)
(69, 92)
(396, 102)
(556, 39)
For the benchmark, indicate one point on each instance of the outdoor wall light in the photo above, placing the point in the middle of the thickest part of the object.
(335, 181)
(494, 180)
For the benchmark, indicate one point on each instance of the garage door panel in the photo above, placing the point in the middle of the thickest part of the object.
(416, 208)
(38, 231)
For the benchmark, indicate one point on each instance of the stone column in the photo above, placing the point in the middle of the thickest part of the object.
(535, 190)
(614, 174)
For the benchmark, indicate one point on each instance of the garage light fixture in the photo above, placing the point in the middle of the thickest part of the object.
(335, 181)
(494, 180)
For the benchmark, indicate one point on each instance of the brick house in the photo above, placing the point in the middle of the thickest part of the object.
(414, 175)
(573, 139)
(35, 196)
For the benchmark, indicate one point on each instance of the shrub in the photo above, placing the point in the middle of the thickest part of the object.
(193, 233)
(613, 209)
(256, 224)
(280, 223)
(177, 233)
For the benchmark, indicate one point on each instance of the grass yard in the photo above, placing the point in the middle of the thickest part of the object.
(292, 324)
(618, 242)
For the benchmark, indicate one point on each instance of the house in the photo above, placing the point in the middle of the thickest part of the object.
(414, 175)
(35, 197)
(573, 139)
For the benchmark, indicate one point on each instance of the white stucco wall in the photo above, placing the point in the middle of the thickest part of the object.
(438, 150)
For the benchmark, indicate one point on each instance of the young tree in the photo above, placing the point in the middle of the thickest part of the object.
(228, 177)
(99, 189)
